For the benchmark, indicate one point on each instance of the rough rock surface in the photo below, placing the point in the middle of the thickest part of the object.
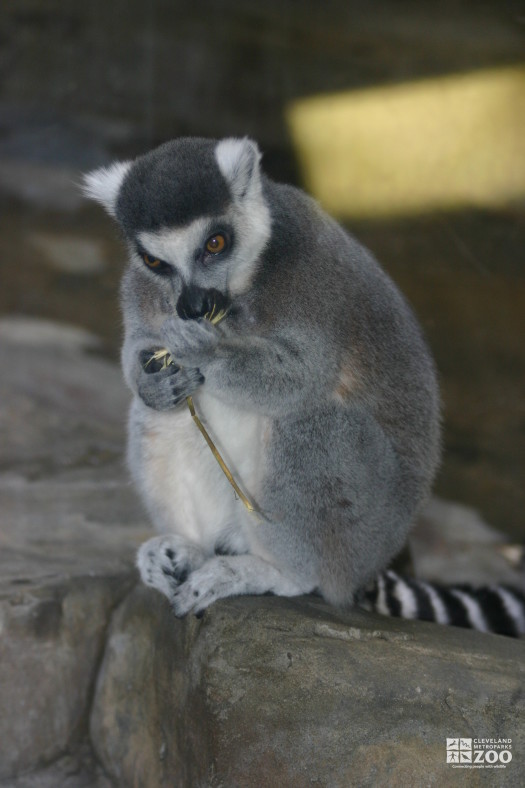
(265, 692)
(69, 524)
(100, 685)
(451, 543)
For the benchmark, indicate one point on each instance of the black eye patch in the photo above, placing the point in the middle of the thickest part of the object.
(154, 263)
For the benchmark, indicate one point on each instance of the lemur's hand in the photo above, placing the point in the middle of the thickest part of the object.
(190, 341)
(164, 388)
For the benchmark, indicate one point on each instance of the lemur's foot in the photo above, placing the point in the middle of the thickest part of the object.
(231, 575)
(165, 562)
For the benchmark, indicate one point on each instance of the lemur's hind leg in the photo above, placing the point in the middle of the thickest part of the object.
(232, 575)
(192, 581)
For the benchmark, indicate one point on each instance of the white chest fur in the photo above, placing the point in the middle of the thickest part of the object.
(183, 485)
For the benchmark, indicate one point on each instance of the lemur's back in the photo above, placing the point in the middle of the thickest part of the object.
(357, 456)
(333, 283)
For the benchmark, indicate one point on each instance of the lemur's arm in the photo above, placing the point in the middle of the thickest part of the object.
(274, 374)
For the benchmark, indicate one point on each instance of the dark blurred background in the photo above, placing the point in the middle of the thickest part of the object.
(406, 119)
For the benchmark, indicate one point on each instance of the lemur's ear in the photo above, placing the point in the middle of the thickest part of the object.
(238, 160)
(103, 185)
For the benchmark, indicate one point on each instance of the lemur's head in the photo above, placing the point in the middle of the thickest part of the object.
(193, 214)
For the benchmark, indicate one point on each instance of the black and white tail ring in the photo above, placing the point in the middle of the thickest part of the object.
(495, 608)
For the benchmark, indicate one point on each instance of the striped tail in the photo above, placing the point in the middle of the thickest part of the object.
(496, 608)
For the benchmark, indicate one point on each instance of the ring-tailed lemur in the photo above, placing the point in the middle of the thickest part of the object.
(317, 387)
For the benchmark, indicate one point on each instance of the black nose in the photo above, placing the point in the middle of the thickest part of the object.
(195, 302)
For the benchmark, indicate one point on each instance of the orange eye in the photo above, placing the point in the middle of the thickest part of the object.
(216, 244)
(151, 262)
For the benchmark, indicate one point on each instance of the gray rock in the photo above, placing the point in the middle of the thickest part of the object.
(52, 636)
(41, 185)
(69, 253)
(267, 691)
(69, 526)
(78, 770)
(63, 409)
(451, 543)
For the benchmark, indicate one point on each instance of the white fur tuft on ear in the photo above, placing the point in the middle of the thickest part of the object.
(238, 160)
(103, 185)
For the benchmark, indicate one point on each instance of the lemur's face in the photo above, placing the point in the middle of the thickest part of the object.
(194, 217)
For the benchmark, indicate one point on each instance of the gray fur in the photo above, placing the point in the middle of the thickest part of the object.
(320, 356)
